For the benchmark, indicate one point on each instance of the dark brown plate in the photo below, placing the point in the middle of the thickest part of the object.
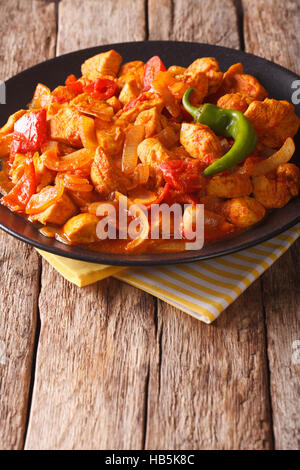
(277, 80)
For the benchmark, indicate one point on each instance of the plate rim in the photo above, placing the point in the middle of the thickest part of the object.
(109, 258)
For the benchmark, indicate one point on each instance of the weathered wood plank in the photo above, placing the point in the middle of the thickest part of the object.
(95, 343)
(23, 41)
(208, 384)
(18, 305)
(94, 22)
(92, 366)
(19, 263)
(213, 21)
(209, 389)
(271, 31)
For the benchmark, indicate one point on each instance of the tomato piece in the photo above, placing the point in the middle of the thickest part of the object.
(17, 199)
(101, 88)
(30, 132)
(74, 84)
(185, 176)
(152, 68)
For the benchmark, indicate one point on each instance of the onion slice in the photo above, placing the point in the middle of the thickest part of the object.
(41, 201)
(161, 84)
(41, 97)
(77, 183)
(141, 174)
(134, 137)
(134, 210)
(69, 162)
(142, 196)
(87, 132)
(283, 155)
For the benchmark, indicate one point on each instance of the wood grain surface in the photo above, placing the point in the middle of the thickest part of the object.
(100, 366)
(20, 265)
(115, 368)
(281, 292)
(201, 380)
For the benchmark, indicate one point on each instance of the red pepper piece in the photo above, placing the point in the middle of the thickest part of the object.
(133, 103)
(30, 132)
(160, 197)
(101, 88)
(17, 199)
(185, 176)
(59, 99)
(74, 84)
(15, 147)
(152, 68)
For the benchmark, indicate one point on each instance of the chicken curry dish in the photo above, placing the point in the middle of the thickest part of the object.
(148, 135)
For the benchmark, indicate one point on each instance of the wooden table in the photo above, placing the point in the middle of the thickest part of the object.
(109, 366)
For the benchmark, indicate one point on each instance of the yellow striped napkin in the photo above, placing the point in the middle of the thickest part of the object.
(202, 289)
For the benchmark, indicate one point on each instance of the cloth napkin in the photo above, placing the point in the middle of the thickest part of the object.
(202, 289)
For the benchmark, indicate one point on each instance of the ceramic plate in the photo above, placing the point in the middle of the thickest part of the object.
(277, 80)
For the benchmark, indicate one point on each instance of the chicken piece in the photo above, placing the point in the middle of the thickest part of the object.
(64, 127)
(17, 168)
(236, 81)
(44, 176)
(196, 80)
(81, 229)
(132, 71)
(200, 142)
(114, 103)
(180, 153)
(5, 183)
(171, 91)
(83, 200)
(106, 176)
(210, 67)
(243, 211)
(148, 101)
(129, 92)
(212, 203)
(169, 135)
(274, 191)
(106, 63)
(53, 108)
(238, 101)
(176, 71)
(57, 213)
(228, 186)
(289, 174)
(273, 121)
(64, 92)
(86, 104)
(111, 140)
(150, 118)
(152, 153)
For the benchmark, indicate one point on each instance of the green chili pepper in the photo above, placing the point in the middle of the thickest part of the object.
(226, 122)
